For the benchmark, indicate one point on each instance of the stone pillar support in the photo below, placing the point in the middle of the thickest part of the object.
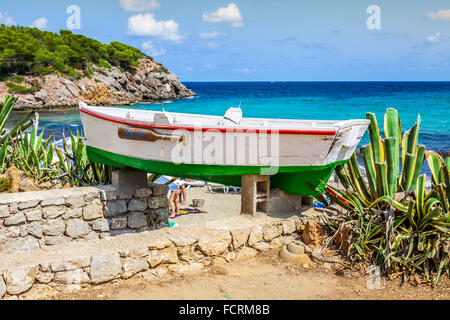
(255, 195)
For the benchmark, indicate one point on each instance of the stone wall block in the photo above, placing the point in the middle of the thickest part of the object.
(52, 212)
(105, 267)
(167, 255)
(20, 280)
(93, 210)
(4, 211)
(15, 219)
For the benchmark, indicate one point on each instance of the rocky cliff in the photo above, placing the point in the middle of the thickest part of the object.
(113, 86)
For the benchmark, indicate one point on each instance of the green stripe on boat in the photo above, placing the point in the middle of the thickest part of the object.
(291, 179)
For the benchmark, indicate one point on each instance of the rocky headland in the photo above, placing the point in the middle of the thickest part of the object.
(105, 86)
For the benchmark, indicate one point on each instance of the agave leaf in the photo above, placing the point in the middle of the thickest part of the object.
(387, 199)
(32, 137)
(392, 158)
(404, 146)
(418, 163)
(433, 213)
(47, 142)
(414, 137)
(340, 198)
(435, 162)
(375, 138)
(441, 228)
(341, 172)
(420, 196)
(407, 171)
(50, 155)
(442, 264)
(39, 141)
(367, 156)
(393, 129)
(8, 104)
(3, 152)
(411, 214)
(382, 184)
(61, 161)
(22, 125)
(442, 194)
(358, 180)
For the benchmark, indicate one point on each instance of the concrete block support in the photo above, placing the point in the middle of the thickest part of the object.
(255, 195)
(281, 202)
(129, 180)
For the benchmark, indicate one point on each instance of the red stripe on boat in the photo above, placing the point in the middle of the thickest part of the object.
(143, 125)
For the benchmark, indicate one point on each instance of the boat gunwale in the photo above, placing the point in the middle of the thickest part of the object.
(340, 124)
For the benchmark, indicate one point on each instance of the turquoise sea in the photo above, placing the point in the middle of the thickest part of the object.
(305, 100)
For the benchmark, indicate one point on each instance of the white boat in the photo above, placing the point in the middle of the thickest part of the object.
(299, 155)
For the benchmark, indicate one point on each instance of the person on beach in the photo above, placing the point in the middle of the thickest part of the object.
(183, 192)
(177, 194)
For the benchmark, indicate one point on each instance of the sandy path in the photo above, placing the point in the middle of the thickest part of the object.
(265, 277)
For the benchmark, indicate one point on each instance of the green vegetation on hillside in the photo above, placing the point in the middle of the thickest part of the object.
(30, 51)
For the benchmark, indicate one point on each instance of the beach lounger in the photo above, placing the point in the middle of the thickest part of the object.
(210, 186)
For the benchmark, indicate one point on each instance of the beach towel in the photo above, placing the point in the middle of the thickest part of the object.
(318, 204)
(187, 211)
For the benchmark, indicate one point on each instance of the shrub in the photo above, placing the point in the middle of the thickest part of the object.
(17, 79)
(16, 88)
(30, 51)
(6, 184)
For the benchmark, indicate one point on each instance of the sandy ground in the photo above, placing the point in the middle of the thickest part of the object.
(218, 206)
(264, 277)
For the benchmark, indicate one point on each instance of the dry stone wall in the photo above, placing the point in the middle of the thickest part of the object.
(149, 254)
(31, 220)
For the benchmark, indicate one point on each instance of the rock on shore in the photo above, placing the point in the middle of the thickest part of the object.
(104, 87)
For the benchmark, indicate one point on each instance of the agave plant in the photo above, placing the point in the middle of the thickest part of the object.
(394, 221)
(5, 135)
(76, 168)
(33, 155)
(381, 160)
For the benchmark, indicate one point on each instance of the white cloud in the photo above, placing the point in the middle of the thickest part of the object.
(139, 5)
(153, 51)
(439, 15)
(189, 69)
(210, 35)
(6, 19)
(40, 23)
(147, 25)
(434, 38)
(210, 66)
(230, 14)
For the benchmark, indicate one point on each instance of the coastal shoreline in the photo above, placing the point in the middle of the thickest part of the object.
(104, 87)
(74, 107)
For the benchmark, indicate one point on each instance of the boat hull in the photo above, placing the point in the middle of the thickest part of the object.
(298, 180)
(298, 156)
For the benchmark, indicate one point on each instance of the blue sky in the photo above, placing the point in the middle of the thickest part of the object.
(284, 40)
